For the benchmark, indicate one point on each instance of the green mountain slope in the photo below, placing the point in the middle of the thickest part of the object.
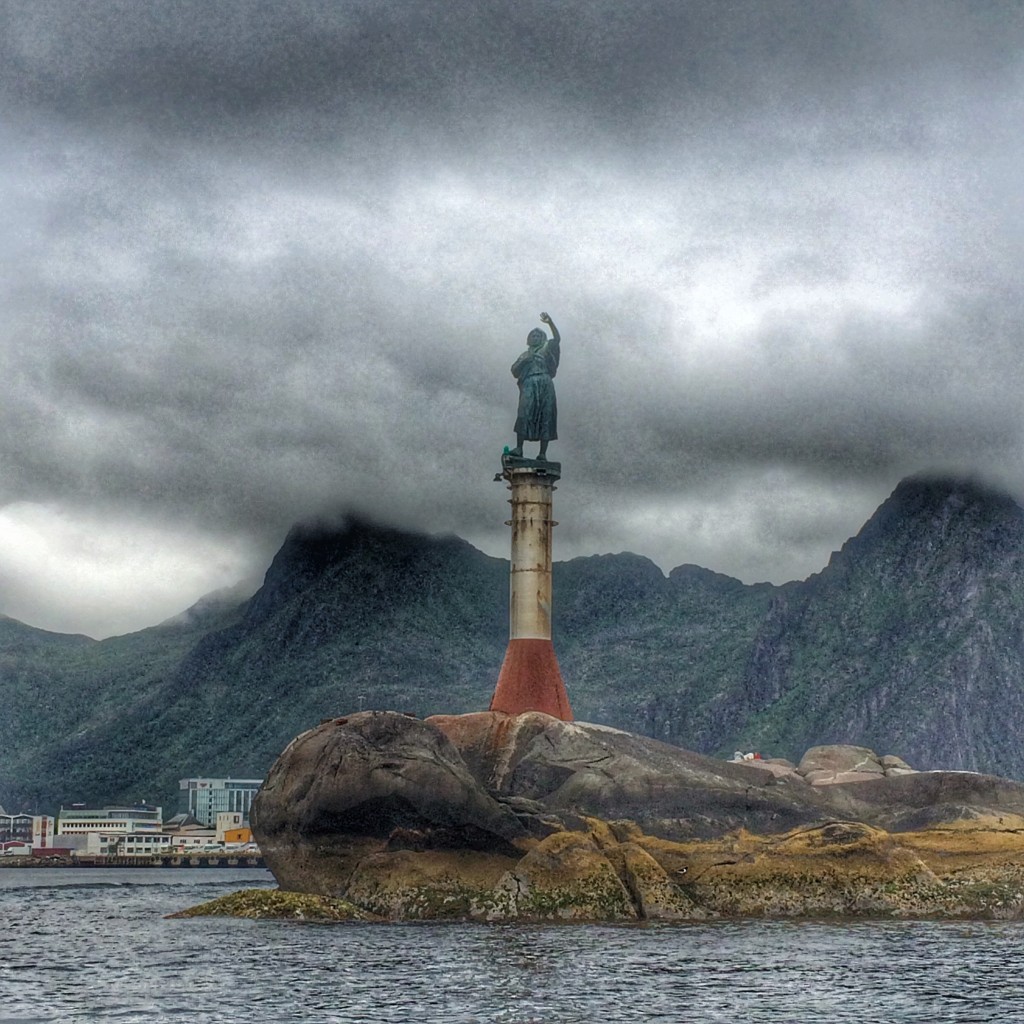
(909, 641)
(349, 617)
(61, 695)
(660, 656)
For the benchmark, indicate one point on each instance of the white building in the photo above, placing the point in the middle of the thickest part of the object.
(206, 798)
(197, 842)
(139, 820)
(131, 844)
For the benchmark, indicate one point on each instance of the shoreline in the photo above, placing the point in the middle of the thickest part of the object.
(177, 860)
(281, 905)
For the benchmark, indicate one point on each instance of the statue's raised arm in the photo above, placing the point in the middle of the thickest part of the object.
(556, 337)
(537, 418)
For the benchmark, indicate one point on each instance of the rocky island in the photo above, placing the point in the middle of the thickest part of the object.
(497, 817)
(521, 813)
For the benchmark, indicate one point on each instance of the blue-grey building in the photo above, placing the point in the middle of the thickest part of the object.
(206, 798)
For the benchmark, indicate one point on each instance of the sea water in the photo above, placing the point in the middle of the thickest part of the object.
(94, 945)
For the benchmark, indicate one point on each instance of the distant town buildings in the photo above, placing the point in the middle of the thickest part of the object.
(111, 831)
(188, 834)
(206, 798)
(214, 820)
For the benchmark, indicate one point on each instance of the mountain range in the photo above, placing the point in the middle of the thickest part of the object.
(910, 641)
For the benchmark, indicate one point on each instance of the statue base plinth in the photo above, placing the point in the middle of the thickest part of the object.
(530, 680)
(540, 467)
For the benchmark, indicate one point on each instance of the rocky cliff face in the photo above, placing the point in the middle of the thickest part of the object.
(910, 641)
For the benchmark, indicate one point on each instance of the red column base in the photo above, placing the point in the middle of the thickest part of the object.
(530, 680)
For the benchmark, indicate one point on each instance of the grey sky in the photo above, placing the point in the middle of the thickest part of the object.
(267, 261)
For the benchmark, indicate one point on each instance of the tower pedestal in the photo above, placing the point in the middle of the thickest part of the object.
(530, 679)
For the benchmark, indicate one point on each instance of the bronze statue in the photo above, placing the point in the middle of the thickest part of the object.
(537, 419)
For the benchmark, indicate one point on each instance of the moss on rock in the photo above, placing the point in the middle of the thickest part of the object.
(262, 904)
(432, 885)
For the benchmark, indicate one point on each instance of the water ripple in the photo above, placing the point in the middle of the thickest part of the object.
(80, 949)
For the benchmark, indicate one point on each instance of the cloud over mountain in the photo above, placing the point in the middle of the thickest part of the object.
(266, 261)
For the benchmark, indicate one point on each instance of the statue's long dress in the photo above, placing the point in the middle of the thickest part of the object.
(537, 419)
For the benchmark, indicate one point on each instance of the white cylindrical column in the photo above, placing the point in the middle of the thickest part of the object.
(530, 576)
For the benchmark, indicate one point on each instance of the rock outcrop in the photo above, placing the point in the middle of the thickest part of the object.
(260, 904)
(827, 765)
(489, 817)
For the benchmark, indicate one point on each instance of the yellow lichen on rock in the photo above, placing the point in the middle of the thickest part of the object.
(849, 869)
(567, 877)
(655, 895)
(611, 872)
(839, 868)
(987, 841)
(601, 832)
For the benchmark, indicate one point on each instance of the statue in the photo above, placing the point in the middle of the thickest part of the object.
(537, 419)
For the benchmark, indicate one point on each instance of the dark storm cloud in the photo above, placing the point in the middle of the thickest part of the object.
(264, 261)
(202, 66)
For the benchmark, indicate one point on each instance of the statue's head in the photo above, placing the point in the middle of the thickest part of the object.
(536, 338)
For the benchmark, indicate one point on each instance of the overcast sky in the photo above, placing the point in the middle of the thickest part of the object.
(269, 261)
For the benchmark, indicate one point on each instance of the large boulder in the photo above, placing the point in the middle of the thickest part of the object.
(839, 763)
(367, 783)
(842, 763)
(498, 817)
